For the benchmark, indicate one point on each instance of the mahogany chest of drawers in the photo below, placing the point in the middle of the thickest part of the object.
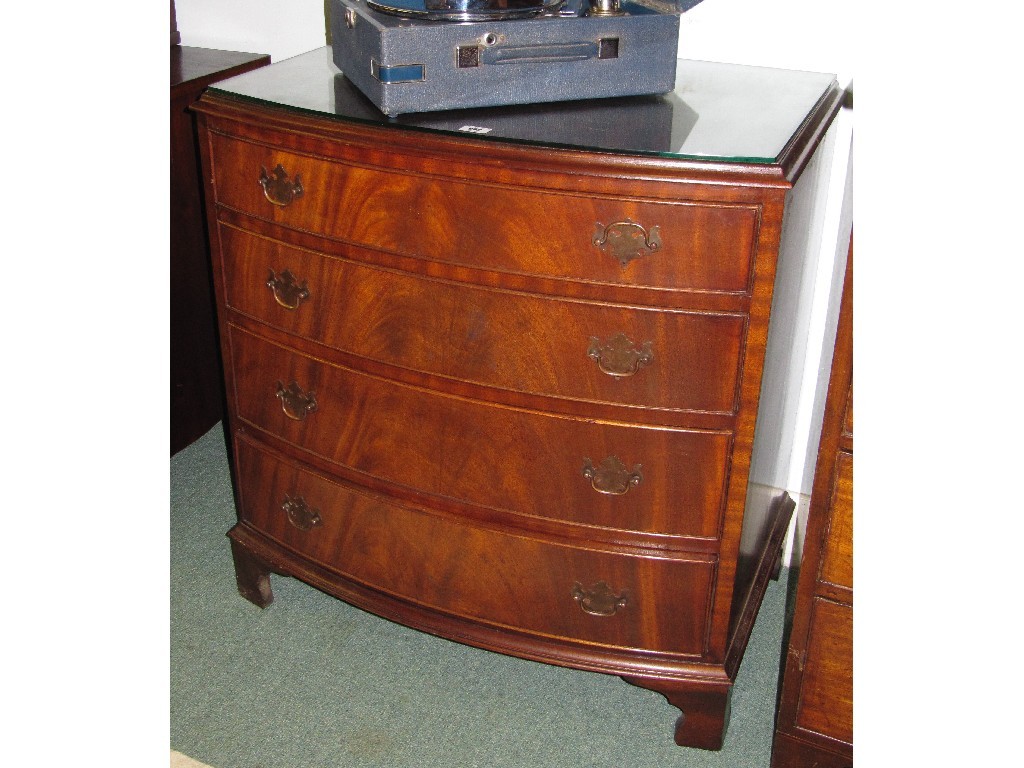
(504, 389)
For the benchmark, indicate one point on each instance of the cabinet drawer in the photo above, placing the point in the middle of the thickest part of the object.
(573, 349)
(837, 558)
(826, 689)
(481, 574)
(525, 462)
(699, 246)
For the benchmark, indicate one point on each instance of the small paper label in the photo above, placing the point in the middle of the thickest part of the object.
(474, 129)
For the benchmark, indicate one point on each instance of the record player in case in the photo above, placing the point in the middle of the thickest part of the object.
(429, 55)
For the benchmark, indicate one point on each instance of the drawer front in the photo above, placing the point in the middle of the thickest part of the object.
(826, 689)
(526, 462)
(622, 241)
(572, 349)
(480, 574)
(837, 560)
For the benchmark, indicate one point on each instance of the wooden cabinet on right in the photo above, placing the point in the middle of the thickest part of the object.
(814, 726)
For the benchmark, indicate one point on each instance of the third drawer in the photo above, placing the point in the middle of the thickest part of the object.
(575, 470)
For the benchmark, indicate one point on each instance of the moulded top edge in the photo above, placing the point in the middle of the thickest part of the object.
(717, 113)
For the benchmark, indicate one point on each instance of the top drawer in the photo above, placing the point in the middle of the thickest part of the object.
(605, 240)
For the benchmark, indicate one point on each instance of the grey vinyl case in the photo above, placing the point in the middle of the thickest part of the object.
(406, 66)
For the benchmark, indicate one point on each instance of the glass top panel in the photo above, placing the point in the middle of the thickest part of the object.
(725, 112)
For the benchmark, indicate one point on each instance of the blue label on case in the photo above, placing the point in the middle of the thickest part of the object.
(402, 73)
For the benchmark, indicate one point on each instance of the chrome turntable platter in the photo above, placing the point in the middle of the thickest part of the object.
(464, 10)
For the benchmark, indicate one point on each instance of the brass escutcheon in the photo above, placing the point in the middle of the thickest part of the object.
(598, 600)
(626, 240)
(619, 357)
(287, 292)
(300, 514)
(277, 188)
(611, 477)
(295, 403)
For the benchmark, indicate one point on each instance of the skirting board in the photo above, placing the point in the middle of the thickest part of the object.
(797, 524)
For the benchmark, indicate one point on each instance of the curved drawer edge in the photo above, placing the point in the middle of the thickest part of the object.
(622, 541)
(487, 337)
(477, 576)
(653, 416)
(359, 428)
(592, 658)
(689, 241)
(694, 300)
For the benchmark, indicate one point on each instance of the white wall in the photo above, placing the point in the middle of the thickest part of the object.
(792, 34)
(282, 28)
(810, 35)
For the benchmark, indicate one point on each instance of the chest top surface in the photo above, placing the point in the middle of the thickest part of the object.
(717, 112)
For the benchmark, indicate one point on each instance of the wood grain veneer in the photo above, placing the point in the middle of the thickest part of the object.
(815, 718)
(473, 572)
(709, 245)
(530, 463)
(408, 320)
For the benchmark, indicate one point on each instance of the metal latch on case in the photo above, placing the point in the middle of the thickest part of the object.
(476, 55)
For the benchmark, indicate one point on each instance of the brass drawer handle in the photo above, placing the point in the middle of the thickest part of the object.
(277, 188)
(599, 600)
(619, 357)
(626, 240)
(295, 403)
(611, 477)
(300, 514)
(287, 292)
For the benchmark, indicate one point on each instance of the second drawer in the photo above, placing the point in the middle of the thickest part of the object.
(687, 361)
(575, 470)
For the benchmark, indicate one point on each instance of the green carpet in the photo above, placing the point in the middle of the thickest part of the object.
(312, 682)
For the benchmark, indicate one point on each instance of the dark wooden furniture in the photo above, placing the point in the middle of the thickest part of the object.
(504, 389)
(815, 719)
(197, 395)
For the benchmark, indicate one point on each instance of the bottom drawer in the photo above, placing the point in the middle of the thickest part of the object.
(826, 690)
(483, 575)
